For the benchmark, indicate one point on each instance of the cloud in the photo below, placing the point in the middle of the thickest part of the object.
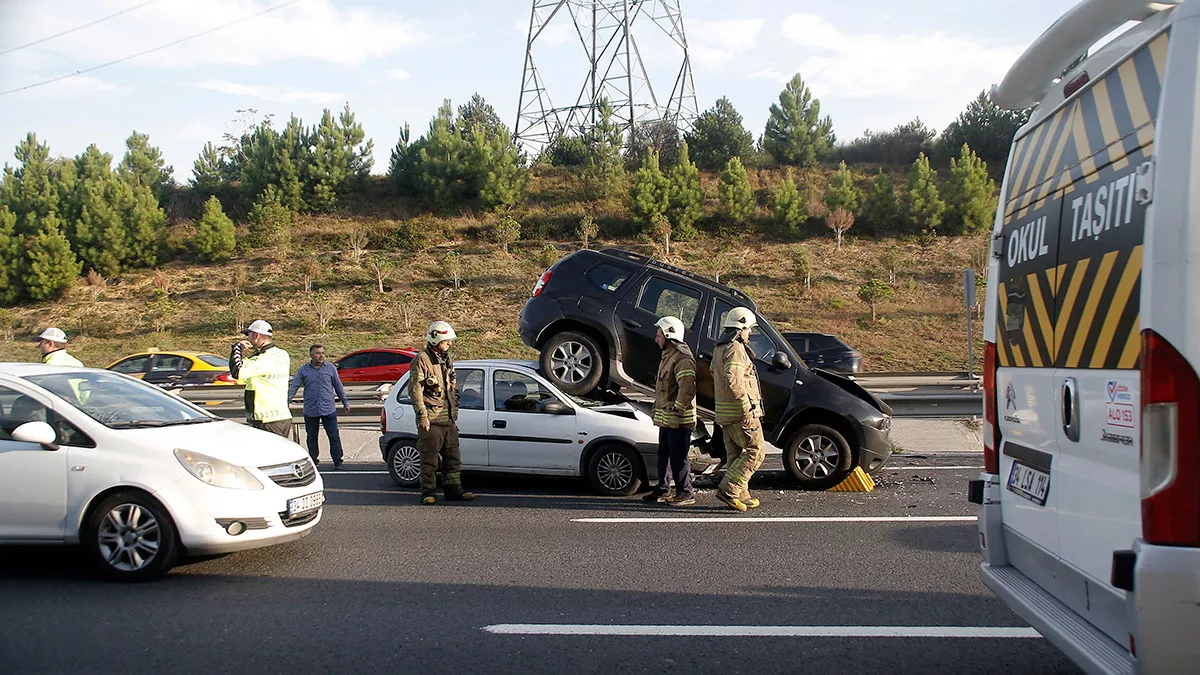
(399, 74)
(266, 93)
(936, 68)
(310, 30)
(712, 44)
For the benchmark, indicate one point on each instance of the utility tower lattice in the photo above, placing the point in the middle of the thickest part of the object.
(605, 30)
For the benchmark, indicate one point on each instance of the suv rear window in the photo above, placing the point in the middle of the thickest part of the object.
(608, 277)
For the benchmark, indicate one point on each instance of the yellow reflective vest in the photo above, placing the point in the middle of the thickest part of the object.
(266, 375)
(60, 357)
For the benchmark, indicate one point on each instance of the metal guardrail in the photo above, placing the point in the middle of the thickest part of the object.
(947, 394)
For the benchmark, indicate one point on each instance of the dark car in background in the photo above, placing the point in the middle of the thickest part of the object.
(592, 317)
(827, 352)
(375, 365)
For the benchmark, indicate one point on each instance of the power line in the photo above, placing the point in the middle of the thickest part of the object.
(151, 50)
(77, 28)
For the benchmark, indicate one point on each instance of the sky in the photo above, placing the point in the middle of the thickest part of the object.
(873, 64)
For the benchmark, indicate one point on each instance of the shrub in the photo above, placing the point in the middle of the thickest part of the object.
(874, 292)
(270, 221)
(215, 237)
(504, 232)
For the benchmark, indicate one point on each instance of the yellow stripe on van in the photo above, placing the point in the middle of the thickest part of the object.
(1090, 309)
(1020, 157)
(1037, 177)
(1067, 306)
(1035, 142)
(1104, 344)
(1056, 158)
(1133, 347)
(1108, 126)
(1158, 51)
(1056, 277)
(1045, 326)
(1004, 352)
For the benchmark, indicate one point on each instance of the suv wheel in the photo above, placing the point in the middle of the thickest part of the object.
(572, 361)
(615, 471)
(818, 457)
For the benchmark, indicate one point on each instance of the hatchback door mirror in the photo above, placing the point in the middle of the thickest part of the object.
(556, 408)
(781, 361)
(36, 432)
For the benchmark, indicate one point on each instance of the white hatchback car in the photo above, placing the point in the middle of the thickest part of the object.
(138, 476)
(512, 420)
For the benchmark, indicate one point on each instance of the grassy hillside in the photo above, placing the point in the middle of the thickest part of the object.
(922, 328)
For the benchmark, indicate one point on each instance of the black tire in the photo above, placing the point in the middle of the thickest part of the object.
(573, 362)
(404, 462)
(130, 537)
(615, 471)
(817, 457)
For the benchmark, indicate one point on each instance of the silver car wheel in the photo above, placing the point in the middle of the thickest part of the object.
(615, 471)
(129, 537)
(817, 457)
(571, 362)
(407, 462)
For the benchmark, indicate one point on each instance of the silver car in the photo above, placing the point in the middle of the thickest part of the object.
(512, 420)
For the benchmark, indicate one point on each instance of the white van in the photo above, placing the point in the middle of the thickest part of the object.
(1089, 517)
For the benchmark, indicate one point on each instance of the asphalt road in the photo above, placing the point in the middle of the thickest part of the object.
(384, 584)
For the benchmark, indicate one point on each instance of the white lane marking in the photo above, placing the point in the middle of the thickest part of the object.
(929, 468)
(788, 519)
(765, 631)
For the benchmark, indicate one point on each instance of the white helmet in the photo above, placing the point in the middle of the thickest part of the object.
(53, 335)
(261, 327)
(438, 331)
(740, 317)
(671, 327)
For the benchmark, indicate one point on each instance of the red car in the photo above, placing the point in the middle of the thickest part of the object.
(375, 365)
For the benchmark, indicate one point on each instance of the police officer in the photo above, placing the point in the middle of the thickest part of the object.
(52, 343)
(674, 411)
(738, 407)
(265, 368)
(433, 387)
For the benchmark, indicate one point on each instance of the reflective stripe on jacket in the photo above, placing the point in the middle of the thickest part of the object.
(433, 388)
(266, 374)
(736, 394)
(675, 388)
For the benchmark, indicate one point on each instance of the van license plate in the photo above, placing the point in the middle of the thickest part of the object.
(1032, 484)
(305, 503)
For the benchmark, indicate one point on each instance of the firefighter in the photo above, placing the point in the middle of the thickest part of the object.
(52, 343)
(265, 369)
(674, 412)
(433, 387)
(738, 407)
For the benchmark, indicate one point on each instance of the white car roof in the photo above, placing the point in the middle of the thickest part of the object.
(25, 369)
(498, 363)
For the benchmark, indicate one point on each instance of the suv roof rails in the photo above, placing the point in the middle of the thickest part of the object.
(647, 260)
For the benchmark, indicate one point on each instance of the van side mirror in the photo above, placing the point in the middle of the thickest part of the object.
(36, 432)
(555, 408)
(781, 361)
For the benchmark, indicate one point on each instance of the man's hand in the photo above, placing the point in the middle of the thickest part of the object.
(750, 424)
(346, 407)
(424, 424)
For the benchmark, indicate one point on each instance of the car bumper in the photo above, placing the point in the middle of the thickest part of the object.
(876, 447)
(203, 513)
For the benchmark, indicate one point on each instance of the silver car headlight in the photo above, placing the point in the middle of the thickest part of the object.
(217, 472)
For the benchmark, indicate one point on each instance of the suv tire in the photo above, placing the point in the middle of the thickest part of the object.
(818, 457)
(573, 362)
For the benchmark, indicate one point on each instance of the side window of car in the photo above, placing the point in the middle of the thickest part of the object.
(662, 298)
(17, 408)
(516, 392)
(354, 361)
(470, 388)
(170, 363)
(401, 390)
(608, 277)
(132, 365)
(764, 348)
(386, 359)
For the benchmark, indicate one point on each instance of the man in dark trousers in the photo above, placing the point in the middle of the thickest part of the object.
(321, 385)
(433, 387)
(675, 409)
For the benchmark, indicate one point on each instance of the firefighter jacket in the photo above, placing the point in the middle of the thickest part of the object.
(675, 388)
(433, 388)
(265, 374)
(736, 396)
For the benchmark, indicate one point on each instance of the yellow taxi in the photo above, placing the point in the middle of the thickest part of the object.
(176, 368)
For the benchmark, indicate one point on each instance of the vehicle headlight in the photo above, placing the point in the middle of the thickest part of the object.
(217, 472)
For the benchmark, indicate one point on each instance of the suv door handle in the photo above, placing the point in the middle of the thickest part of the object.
(1070, 408)
(631, 323)
(499, 424)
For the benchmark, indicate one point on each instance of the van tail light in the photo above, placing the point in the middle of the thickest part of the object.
(541, 283)
(383, 421)
(991, 406)
(1170, 456)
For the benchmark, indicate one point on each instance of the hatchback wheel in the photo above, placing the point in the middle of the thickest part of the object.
(615, 470)
(404, 463)
(818, 457)
(572, 362)
(130, 537)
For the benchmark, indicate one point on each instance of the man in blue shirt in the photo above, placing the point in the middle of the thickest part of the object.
(321, 382)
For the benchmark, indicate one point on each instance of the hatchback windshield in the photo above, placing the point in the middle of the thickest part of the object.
(118, 403)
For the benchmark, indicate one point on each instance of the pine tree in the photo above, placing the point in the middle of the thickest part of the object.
(790, 210)
(685, 196)
(50, 266)
(494, 164)
(400, 168)
(603, 175)
(970, 195)
(718, 136)
(841, 193)
(92, 212)
(210, 171)
(880, 211)
(215, 238)
(984, 126)
(293, 161)
(438, 175)
(143, 164)
(479, 113)
(30, 191)
(331, 165)
(10, 280)
(146, 227)
(737, 199)
(920, 203)
(650, 194)
(270, 221)
(874, 292)
(796, 134)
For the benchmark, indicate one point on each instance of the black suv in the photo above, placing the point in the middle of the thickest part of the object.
(592, 316)
(826, 352)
